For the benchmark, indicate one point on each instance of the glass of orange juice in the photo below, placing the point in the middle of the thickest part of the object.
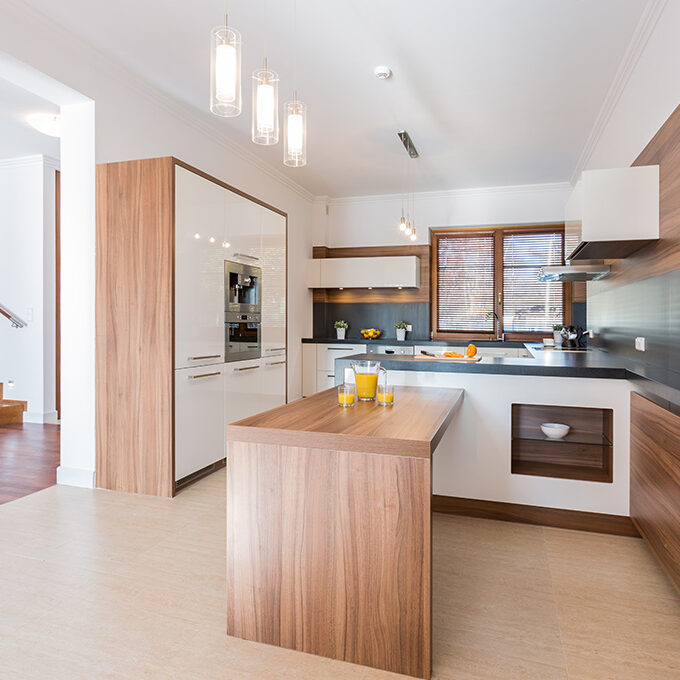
(346, 395)
(385, 393)
(366, 378)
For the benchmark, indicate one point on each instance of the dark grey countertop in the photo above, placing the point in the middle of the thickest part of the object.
(591, 364)
(410, 342)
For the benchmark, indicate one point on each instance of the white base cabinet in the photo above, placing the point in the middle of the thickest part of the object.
(242, 389)
(318, 364)
(199, 418)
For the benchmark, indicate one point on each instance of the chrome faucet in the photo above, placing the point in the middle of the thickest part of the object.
(499, 336)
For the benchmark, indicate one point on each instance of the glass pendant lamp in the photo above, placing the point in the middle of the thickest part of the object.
(225, 71)
(265, 128)
(295, 134)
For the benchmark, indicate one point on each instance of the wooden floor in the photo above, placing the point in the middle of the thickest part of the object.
(97, 584)
(29, 456)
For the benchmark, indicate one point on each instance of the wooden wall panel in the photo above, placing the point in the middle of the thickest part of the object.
(655, 481)
(421, 294)
(338, 544)
(134, 326)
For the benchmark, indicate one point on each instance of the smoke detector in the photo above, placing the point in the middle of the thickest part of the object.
(382, 72)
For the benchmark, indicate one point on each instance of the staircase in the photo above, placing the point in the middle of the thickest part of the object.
(11, 410)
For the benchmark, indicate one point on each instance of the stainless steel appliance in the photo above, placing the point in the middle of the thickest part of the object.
(390, 349)
(242, 287)
(243, 311)
(243, 336)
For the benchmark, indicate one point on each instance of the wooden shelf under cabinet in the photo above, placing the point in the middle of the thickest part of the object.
(584, 454)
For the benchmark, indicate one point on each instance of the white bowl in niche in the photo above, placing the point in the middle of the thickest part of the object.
(555, 430)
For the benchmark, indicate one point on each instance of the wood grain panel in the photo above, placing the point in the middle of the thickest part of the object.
(421, 294)
(534, 514)
(329, 553)
(413, 426)
(655, 480)
(134, 326)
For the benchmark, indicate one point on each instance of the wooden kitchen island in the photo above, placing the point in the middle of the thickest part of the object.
(329, 527)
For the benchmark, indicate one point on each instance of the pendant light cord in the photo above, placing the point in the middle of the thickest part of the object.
(295, 49)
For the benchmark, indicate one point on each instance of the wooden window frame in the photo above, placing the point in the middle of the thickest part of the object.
(498, 233)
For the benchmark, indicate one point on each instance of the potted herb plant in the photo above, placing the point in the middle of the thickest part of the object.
(341, 328)
(557, 334)
(401, 328)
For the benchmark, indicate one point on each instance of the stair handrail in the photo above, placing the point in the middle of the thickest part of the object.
(16, 321)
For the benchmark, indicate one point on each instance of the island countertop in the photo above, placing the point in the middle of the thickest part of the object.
(412, 426)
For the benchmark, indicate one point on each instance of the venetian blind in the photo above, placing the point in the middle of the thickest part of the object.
(465, 282)
(528, 304)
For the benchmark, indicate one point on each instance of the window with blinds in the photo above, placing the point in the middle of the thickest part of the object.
(481, 272)
(465, 282)
(529, 305)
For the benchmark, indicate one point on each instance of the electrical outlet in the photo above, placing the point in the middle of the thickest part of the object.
(409, 328)
(641, 344)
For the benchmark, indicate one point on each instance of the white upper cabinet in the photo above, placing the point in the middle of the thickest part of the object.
(364, 272)
(612, 213)
(199, 270)
(273, 264)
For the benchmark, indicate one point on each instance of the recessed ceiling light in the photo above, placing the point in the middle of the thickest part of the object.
(383, 72)
(47, 123)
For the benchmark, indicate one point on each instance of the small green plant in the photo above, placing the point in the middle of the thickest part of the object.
(558, 327)
(401, 325)
(341, 324)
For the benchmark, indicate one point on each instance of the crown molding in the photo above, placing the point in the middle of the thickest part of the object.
(453, 194)
(36, 160)
(185, 113)
(643, 31)
(51, 163)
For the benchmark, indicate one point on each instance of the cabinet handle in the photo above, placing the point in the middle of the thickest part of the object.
(332, 375)
(253, 347)
(276, 349)
(202, 375)
(339, 349)
(249, 257)
(245, 368)
(207, 356)
(276, 363)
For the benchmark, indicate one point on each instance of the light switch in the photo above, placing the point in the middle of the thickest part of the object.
(409, 328)
(641, 344)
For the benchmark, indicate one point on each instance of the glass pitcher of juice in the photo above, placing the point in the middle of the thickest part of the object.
(366, 378)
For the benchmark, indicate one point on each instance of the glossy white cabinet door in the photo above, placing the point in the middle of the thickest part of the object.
(273, 283)
(308, 369)
(324, 380)
(273, 382)
(199, 418)
(199, 270)
(243, 389)
(243, 230)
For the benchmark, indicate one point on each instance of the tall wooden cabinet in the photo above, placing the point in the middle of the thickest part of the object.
(164, 391)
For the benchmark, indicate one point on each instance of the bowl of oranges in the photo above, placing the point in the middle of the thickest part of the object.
(371, 333)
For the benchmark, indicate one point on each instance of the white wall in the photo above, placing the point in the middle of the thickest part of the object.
(373, 220)
(645, 97)
(27, 220)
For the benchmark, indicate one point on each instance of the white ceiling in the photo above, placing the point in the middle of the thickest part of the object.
(17, 137)
(493, 92)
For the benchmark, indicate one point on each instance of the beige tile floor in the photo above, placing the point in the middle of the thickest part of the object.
(95, 584)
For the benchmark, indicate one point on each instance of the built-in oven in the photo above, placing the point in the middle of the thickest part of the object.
(243, 336)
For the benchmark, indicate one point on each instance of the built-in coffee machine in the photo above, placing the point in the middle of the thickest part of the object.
(243, 311)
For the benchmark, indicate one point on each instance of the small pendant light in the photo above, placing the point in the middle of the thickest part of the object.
(295, 118)
(225, 70)
(265, 126)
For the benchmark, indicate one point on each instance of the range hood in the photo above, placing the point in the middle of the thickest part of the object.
(576, 272)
